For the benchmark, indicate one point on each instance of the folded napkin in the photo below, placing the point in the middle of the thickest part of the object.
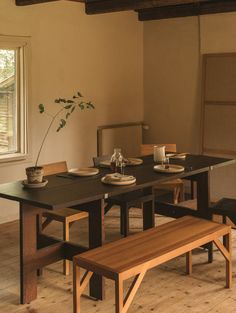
(119, 177)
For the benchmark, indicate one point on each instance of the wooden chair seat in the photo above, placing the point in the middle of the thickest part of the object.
(226, 207)
(67, 216)
(134, 255)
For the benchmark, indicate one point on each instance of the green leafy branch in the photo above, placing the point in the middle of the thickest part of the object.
(68, 106)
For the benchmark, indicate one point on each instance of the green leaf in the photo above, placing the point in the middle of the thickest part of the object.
(67, 115)
(63, 123)
(41, 108)
(62, 100)
(79, 94)
(57, 101)
(70, 101)
(68, 106)
(72, 110)
(81, 105)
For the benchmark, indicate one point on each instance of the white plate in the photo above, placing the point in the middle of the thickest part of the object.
(38, 185)
(134, 161)
(118, 179)
(85, 171)
(131, 162)
(173, 168)
(181, 156)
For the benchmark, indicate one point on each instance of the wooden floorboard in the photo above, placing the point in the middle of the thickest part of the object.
(165, 289)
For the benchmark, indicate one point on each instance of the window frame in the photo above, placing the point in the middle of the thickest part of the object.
(21, 45)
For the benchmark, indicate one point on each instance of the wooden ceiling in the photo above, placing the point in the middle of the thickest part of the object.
(151, 9)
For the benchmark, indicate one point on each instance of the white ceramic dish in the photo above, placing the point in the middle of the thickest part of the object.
(85, 171)
(34, 186)
(134, 161)
(172, 168)
(118, 179)
(131, 162)
(180, 156)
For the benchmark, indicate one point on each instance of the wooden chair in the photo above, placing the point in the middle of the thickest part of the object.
(174, 185)
(66, 216)
(134, 199)
(226, 208)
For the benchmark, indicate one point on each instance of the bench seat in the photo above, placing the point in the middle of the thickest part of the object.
(134, 255)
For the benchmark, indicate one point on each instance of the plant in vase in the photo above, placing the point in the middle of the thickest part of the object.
(66, 109)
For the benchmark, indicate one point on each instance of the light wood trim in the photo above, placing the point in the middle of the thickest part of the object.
(147, 149)
(76, 288)
(222, 249)
(134, 288)
(54, 168)
(85, 280)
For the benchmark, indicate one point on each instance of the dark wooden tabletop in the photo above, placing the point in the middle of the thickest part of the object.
(65, 191)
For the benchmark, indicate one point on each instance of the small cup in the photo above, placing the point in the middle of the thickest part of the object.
(159, 153)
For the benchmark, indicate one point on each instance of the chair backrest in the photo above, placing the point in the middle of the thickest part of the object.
(147, 149)
(54, 168)
(98, 160)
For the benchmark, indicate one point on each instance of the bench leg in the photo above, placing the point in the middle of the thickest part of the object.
(189, 264)
(79, 286)
(122, 305)
(226, 251)
(119, 295)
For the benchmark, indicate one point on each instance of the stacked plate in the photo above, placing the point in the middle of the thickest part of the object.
(128, 162)
(118, 179)
(85, 171)
(170, 168)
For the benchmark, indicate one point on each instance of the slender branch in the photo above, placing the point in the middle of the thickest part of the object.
(46, 134)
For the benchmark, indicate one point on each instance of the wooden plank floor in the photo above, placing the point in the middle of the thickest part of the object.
(165, 289)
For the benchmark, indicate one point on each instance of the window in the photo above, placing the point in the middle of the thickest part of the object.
(13, 98)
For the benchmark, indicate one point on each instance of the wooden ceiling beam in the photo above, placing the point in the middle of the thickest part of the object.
(29, 2)
(106, 6)
(206, 7)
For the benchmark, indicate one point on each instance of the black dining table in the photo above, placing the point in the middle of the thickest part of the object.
(89, 193)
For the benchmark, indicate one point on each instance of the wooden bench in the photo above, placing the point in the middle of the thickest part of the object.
(134, 255)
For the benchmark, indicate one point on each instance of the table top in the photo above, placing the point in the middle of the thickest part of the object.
(69, 191)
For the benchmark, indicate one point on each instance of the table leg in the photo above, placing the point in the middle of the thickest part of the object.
(148, 211)
(28, 247)
(96, 239)
(203, 203)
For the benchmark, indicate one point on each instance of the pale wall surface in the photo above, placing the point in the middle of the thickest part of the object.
(99, 55)
(171, 82)
(172, 57)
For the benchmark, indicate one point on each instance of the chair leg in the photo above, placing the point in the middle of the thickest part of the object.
(124, 220)
(224, 217)
(175, 195)
(66, 237)
(181, 193)
(189, 267)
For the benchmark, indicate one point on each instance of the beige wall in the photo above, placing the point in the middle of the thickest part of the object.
(99, 55)
(172, 82)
